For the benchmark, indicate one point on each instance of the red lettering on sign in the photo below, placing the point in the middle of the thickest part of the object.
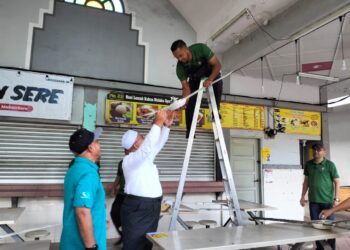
(16, 107)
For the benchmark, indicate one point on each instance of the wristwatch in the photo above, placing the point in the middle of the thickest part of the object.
(336, 199)
(94, 247)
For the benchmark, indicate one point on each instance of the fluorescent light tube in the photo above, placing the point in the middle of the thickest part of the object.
(343, 67)
(298, 80)
(340, 103)
(319, 77)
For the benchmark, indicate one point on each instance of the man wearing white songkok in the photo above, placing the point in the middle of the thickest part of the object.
(141, 208)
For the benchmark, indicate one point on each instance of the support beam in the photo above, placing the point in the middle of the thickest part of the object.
(274, 103)
(325, 122)
(299, 19)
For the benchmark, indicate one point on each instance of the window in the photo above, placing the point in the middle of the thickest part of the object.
(111, 5)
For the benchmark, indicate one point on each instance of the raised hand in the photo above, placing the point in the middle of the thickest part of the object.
(170, 118)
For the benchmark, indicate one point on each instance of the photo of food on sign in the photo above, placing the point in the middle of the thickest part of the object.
(145, 113)
(121, 111)
(297, 121)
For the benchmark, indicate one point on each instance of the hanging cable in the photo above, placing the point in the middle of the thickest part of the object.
(263, 30)
(262, 74)
(297, 66)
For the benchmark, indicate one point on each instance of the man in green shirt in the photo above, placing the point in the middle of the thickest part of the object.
(118, 191)
(195, 62)
(322, 181)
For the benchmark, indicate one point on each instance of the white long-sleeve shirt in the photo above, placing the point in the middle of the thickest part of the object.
(141, 174)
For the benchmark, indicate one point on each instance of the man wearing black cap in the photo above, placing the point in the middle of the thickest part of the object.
(322, 181)
(141, 207)
(84, 215)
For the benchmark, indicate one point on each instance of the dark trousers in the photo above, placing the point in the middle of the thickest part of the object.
(315, 210)
(194, 85)
(140, 215)
(116, 212)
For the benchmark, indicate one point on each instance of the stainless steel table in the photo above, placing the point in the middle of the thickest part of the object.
(28, 245)
(248, 207)
(8, 216)
(244, 237)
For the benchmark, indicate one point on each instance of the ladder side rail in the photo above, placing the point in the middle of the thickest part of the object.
(176, 208)
(226, 162)
(228, 190)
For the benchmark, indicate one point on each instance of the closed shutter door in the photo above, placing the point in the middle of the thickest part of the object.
(39, 153)
(169, 161)
(34, 153)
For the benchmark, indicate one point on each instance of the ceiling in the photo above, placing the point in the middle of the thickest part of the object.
(319, 52)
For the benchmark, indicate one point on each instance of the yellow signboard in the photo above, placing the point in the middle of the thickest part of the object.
(137, 109)
(297, 122)
(242, 116)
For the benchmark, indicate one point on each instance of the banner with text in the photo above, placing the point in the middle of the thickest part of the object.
(137, 109)
(298, 122)
(35, 95)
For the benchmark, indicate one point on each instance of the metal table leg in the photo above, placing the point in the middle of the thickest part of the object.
(9, 230)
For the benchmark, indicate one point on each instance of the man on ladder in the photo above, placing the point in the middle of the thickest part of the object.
(188, 58)
(195, 62)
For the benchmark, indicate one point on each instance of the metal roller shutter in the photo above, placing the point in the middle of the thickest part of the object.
(34, 153)
(169, 161)
(39, 153)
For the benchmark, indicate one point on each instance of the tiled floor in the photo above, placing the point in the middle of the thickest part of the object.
(342, 244)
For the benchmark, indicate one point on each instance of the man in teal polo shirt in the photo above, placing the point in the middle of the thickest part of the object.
(322, 181)
(84, 214)
(194, 63)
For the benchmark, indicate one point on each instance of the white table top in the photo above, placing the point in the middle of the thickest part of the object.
(183, 210)
(27, 245)
(248, 206)
(243, 237)
(10, 215)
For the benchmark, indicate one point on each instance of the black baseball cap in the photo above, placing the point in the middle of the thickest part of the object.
(82, 138)
(318, 146)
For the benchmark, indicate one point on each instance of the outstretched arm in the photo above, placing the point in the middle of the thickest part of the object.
(149, 145)
(342, 206)
(165, 131)
(215, 63)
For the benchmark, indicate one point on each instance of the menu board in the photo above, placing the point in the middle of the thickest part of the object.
(138, 109)
(242, 116)
(297, 122)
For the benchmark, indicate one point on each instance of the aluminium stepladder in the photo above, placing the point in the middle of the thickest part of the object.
(230, 190)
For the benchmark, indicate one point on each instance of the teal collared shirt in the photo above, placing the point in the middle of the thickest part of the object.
(83, 188)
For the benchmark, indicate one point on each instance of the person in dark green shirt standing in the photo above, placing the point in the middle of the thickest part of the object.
(118, 191)
(195, 62)
(322, 181)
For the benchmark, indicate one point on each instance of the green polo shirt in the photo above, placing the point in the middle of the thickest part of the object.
(321, 180)
(201, 54)
(121, 177)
